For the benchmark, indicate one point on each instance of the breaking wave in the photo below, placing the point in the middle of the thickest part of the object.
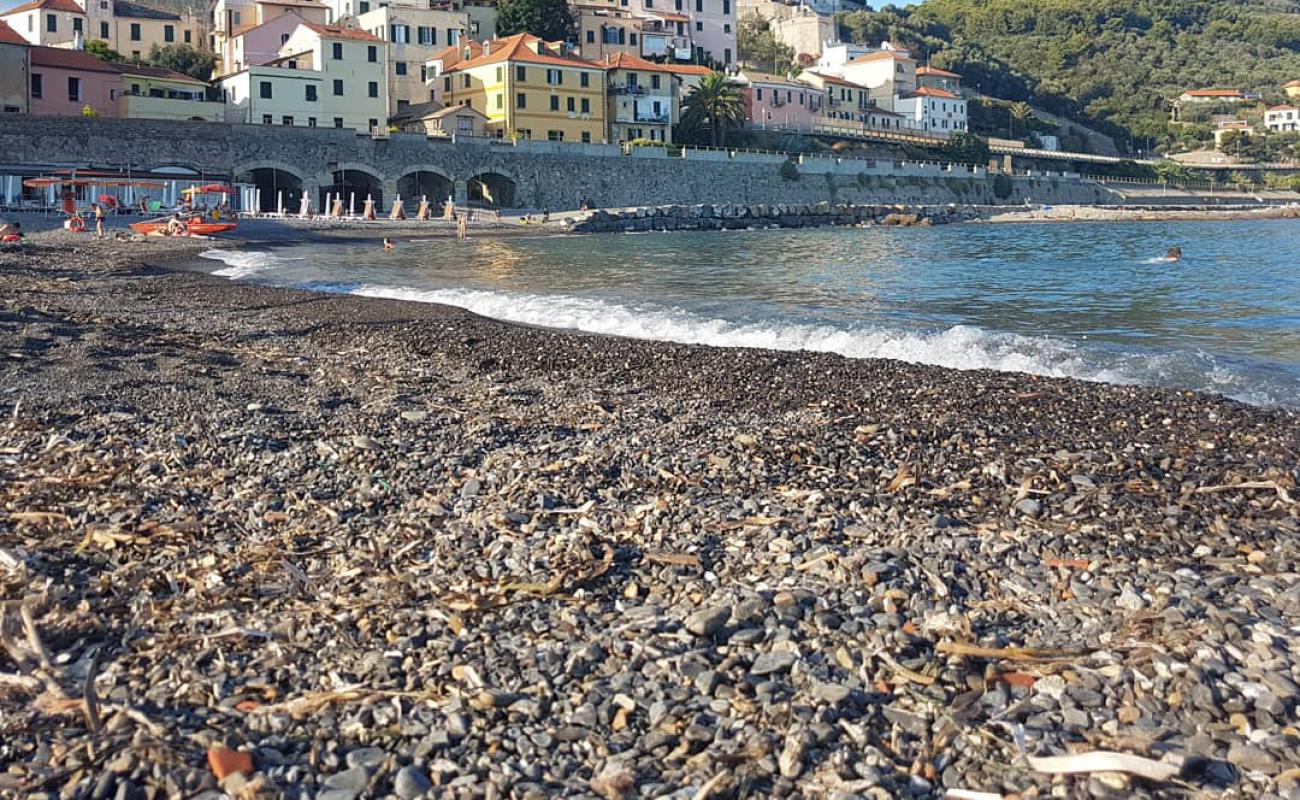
(244, 263)
(957, 347)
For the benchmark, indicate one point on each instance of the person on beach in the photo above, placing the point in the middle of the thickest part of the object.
(176, 226)
(99, 220)
(11, 232)
(388, 243)
(462, 226)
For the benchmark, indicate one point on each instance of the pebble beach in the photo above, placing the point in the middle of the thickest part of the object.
(258, 542)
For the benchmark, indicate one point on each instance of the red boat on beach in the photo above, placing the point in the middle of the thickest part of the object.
(194, 227)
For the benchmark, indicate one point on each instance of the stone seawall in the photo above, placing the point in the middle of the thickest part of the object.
(525, 174)
(781, 215)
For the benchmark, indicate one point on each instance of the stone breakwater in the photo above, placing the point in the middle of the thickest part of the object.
(782, 215)
(273, 543)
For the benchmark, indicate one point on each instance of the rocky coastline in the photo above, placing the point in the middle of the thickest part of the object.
(262, 542)
(826, 214)
(707, 217)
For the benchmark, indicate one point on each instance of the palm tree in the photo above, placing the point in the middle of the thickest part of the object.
(1021, 112)
(715, 102)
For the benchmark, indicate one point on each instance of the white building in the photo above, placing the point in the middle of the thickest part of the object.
(278, 94)
(326, 76)
(836, 54)
(1282, 118)
(934, 110)
(889, 72)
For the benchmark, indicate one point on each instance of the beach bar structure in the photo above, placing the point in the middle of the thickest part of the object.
(36, 190)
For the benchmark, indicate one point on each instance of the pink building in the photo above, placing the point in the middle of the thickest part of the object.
(64, 82)
(260, 44)
(772, 101)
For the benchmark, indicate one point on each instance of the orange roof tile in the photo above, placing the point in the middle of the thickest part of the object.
(53, 5)
(881, 56)
(337, 32)
(1282, 107)
(451, 56)
(926, 91)
(1213, 92)
(520, 48)
(689, 69)
(632, 61)
(9, 36)
(941, 73)
(1291, 85)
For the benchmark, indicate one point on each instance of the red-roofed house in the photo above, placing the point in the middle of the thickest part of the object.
(935, 78)
(643, 99)
(127, 27)
(47, 22)
(233, 17)
(531, 90)
(934, 110)
(15, 70)
(888, 72)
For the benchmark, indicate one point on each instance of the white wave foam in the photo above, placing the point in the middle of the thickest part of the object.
(959, 347)
(244, 263)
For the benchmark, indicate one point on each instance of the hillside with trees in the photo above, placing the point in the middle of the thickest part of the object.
(1113, 64)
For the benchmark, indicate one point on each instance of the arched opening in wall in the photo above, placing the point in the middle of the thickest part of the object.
(353, 186)
(421, 183)
(492, 189)
(275, 188)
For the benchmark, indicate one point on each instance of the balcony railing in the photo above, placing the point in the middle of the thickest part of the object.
(657, 119)
(626, 89)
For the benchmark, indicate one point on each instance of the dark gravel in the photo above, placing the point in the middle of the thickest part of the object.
(387, 548)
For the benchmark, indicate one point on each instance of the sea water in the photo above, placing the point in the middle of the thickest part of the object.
(1085, 300)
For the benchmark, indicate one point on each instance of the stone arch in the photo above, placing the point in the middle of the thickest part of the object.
(353, 182)
(425, 180)
(275, 182)
(493, 187)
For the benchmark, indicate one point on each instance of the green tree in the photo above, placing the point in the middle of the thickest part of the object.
(549, 20)
(757, 46)
(968, 148)
(100, 49)
(1021, 112)
(183, 59)
(1173, 172)
(714, 104)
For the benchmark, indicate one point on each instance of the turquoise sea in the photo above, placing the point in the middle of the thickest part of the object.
(1086, 300)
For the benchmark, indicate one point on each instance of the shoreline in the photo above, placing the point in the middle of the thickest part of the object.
(384, 546)
(269, 230)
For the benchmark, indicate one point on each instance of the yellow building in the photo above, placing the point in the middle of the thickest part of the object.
(155, 93)
(529, 89)
(1292, 90)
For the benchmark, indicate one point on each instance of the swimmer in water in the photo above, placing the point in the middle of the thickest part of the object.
(1175, 254)
(388, 243)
